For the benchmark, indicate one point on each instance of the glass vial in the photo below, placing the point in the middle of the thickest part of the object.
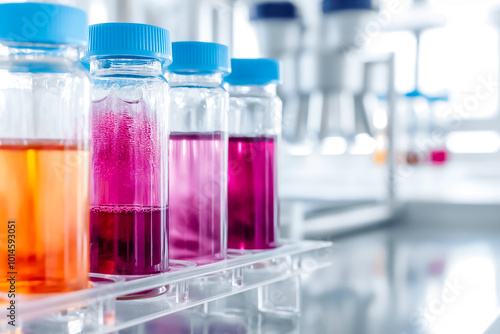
(198, 152)
(439, 154)
(254, 125)
(129, 184)
(44, 153)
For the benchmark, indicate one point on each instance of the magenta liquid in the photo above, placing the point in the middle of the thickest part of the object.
(252, 193)
(129, 215)
(127, 240)
(196, 177)
(439, 157)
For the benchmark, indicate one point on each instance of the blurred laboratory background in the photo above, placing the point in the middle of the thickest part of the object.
(391, 149)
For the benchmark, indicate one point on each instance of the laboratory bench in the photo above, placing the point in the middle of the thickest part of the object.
(433, 270)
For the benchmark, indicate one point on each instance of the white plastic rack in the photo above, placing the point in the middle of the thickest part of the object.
(112, 303)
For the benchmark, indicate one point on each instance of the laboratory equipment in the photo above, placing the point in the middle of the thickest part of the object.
(317, 192)
(187, 20)
(279, 29)
(340, 68)
(129, 185)
(198, 152)
(415, 106)
(254, 125)
(44, 117)
(423, 130)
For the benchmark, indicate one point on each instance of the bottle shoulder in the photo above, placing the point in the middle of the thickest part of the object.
(198, 90)
(128, 80)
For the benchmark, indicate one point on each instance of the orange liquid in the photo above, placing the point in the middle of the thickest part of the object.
(380, 157)
(44, 188)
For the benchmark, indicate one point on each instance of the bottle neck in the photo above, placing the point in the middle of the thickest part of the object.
(37, 51)
(268, 90)
(211, 80)
(103, 66)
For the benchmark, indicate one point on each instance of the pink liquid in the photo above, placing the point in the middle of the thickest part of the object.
(129, 216)
(252, 193)
(195, 190)
(439, 157)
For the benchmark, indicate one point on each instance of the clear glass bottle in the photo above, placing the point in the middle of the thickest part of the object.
(254, 125)
(439, 154)
(129, 184)
(416, 120)
(44, 153)
(198, 152)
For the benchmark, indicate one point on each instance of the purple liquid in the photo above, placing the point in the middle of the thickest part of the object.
(128, 240)
(252, 191)
(195, 190)
(129, 216)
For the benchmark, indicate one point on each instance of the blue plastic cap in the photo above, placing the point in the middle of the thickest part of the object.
(253, 72)
(429, 98)
(129, 40)
(273, 10)
(86, 65)
(329, 6)
(438, 98)
(415, 93)
(199, 57)
(42, 23)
